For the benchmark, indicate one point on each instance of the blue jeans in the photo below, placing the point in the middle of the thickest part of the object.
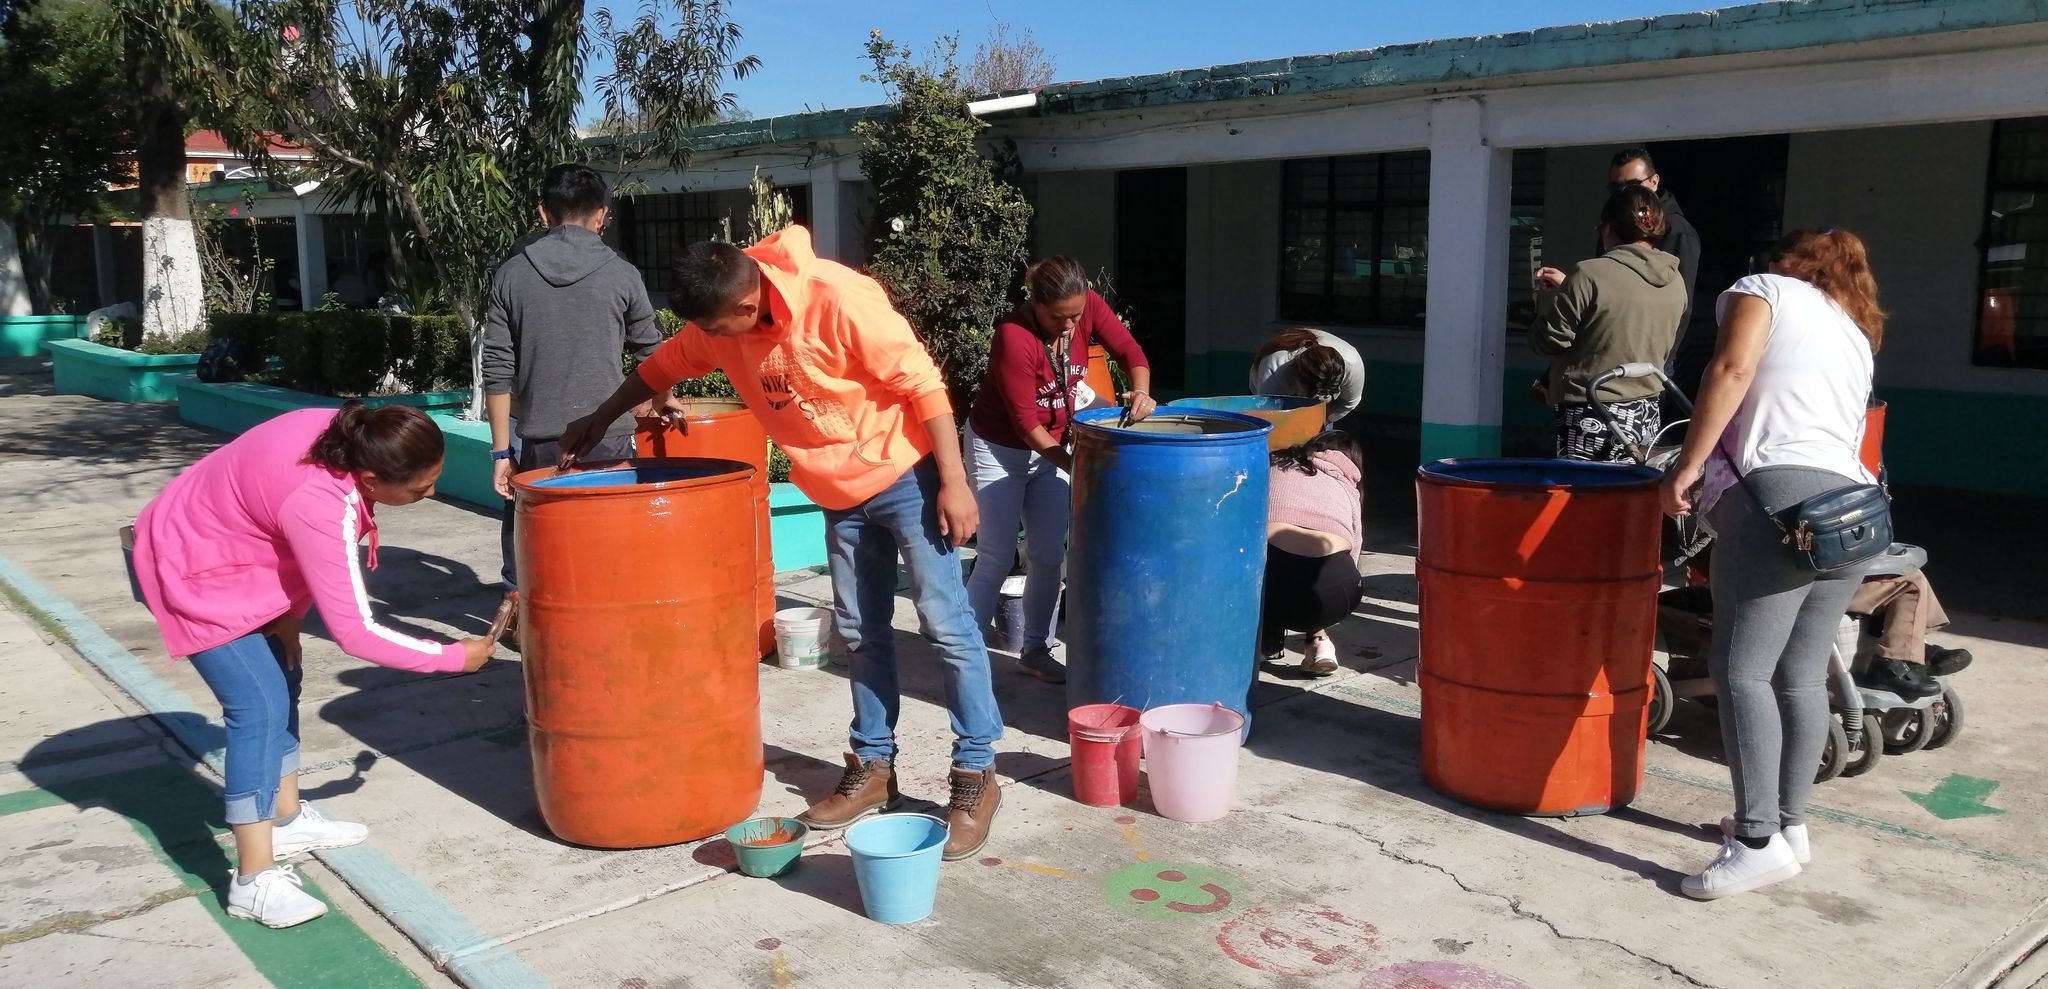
(260, 698)
(862, 544)
(1014, 485)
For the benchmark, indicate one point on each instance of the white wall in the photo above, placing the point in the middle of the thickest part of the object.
(1916, 197)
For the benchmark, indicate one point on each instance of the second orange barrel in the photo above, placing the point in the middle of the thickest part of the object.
(637, 633)
(1539, 583)
(724, 429)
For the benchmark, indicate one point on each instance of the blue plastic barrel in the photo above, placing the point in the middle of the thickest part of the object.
(1166, 558)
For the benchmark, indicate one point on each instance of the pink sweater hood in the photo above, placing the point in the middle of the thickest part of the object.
(252, 532)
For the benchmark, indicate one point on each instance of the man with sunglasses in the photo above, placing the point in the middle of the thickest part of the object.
(1634, 167)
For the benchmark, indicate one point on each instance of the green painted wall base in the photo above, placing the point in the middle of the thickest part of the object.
(234, 406)
(796, 528)
(24, 336)
(81, 367)
(1970, 441)
(1443, 442)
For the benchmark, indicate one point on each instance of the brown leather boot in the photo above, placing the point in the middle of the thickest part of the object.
(972, 812)
(863, 789)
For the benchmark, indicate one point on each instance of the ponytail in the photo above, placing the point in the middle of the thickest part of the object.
(1317, 369)
(397, 442)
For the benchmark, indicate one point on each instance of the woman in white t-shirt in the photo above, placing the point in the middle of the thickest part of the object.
(1782, 402)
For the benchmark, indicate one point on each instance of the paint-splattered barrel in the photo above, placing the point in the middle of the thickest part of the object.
(1539, 584)
(1166, 558)
(637, 630)
(724, 429)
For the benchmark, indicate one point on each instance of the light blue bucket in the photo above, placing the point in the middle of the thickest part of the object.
(896, 863)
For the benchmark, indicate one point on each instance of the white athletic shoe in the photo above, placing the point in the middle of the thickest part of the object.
(1740, 868)
(1795, 836)
(273, 898)
(312, 832)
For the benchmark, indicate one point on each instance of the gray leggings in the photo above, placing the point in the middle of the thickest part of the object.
(1773, 622)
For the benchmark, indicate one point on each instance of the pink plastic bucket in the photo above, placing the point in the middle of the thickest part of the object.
(1106, 747)
(1191, 759)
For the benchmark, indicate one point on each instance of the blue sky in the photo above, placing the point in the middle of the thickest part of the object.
(811, 49)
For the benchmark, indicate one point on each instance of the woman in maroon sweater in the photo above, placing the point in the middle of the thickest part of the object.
(1016, 436)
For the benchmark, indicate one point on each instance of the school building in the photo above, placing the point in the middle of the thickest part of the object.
(1402, 197)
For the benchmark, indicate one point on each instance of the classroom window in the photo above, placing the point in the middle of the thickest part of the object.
(2012, 305)
(1355, 239)
(658, 226)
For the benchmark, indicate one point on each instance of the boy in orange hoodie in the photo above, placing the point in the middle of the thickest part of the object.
(845, 388)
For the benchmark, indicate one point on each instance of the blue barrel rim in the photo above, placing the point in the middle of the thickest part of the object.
(1592, 475)
(1254, 427)
(1286, 403)
(941, 829)
(668, 473)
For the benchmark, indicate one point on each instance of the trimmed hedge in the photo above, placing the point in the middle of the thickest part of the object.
(347, 353)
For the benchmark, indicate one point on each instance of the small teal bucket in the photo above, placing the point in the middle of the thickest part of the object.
(766, 847)
(896, 863)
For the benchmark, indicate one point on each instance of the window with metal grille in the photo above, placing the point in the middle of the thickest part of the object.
(1354, 239)
(2012, 306)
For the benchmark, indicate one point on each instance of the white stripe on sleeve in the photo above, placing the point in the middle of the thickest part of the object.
(349, 536)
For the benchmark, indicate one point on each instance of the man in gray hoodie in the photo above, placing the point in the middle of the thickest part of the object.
(564, 309)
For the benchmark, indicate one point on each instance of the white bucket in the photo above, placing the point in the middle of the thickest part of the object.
(802, 637)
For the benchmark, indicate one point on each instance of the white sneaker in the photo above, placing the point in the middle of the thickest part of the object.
(1740, 868)
(312, 832)
(273, 898)
(1795, 837)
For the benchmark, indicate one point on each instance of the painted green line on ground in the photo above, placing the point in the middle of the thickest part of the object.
(179, 816)
(1402, 705)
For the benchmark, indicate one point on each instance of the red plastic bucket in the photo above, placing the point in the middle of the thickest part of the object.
(1106, 746)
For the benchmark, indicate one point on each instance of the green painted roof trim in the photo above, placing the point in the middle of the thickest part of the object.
(1764, 27)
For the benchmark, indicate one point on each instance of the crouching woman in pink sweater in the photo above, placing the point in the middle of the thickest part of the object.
(231, 555)
(1315, 529)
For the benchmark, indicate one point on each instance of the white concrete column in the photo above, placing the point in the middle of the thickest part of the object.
(1466, 330)
(826, 235)
(173, 295)
(312, 232)
(103, 265)
(14, 300)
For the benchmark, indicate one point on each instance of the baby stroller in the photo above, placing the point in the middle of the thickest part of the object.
(1870, 722)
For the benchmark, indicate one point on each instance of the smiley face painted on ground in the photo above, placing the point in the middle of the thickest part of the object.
(1171, 891)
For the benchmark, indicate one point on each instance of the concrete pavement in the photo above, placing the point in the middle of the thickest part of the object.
(1338, 867)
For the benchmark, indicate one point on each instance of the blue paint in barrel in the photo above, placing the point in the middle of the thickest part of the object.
(1166, 558)
(635, 472)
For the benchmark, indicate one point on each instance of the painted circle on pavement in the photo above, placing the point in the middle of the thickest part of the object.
(1304, 942)
(1438, 975)
(1170, 891)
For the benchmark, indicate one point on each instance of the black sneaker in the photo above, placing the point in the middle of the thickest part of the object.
(1904, 679)
(1947, 662)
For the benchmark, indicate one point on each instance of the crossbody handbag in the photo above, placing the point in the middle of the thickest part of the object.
(1833, 530)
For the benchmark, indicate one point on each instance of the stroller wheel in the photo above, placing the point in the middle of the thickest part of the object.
(1905, 730)
(1660, 699)
(1946, 716)
(1834, 757)
(1866, 751)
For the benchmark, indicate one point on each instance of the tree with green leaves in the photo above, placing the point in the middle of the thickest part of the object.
(951, 240)
(67, 133)
(441, 116)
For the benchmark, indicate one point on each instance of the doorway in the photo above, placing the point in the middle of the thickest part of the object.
(1152, 267)
(1733, 191)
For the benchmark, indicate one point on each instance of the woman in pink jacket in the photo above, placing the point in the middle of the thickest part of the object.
(231, 555)
(1315, 530)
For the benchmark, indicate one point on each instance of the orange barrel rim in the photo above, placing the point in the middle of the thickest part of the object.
(724, 429)
(1296, 419)
(638, 648)
(1538, 611)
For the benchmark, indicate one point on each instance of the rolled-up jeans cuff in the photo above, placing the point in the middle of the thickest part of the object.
(253, 807)
(289, 764)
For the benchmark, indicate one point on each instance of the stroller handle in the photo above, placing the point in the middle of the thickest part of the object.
(1633, 369)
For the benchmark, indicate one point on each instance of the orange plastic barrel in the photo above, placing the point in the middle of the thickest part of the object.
(1539, 584)
(1872, 451)
(724, 429)
(637, 634)
(1098, 377)
(1295, 420)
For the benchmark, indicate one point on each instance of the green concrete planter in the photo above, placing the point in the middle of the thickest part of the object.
(234, 406)
(82, 367)
(796, 528)
(26, 336)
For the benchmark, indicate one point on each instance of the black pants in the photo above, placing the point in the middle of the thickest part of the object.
(1305, 593)
(532, 454)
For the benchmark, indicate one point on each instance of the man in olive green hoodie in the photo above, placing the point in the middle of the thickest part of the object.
(1619, 308)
